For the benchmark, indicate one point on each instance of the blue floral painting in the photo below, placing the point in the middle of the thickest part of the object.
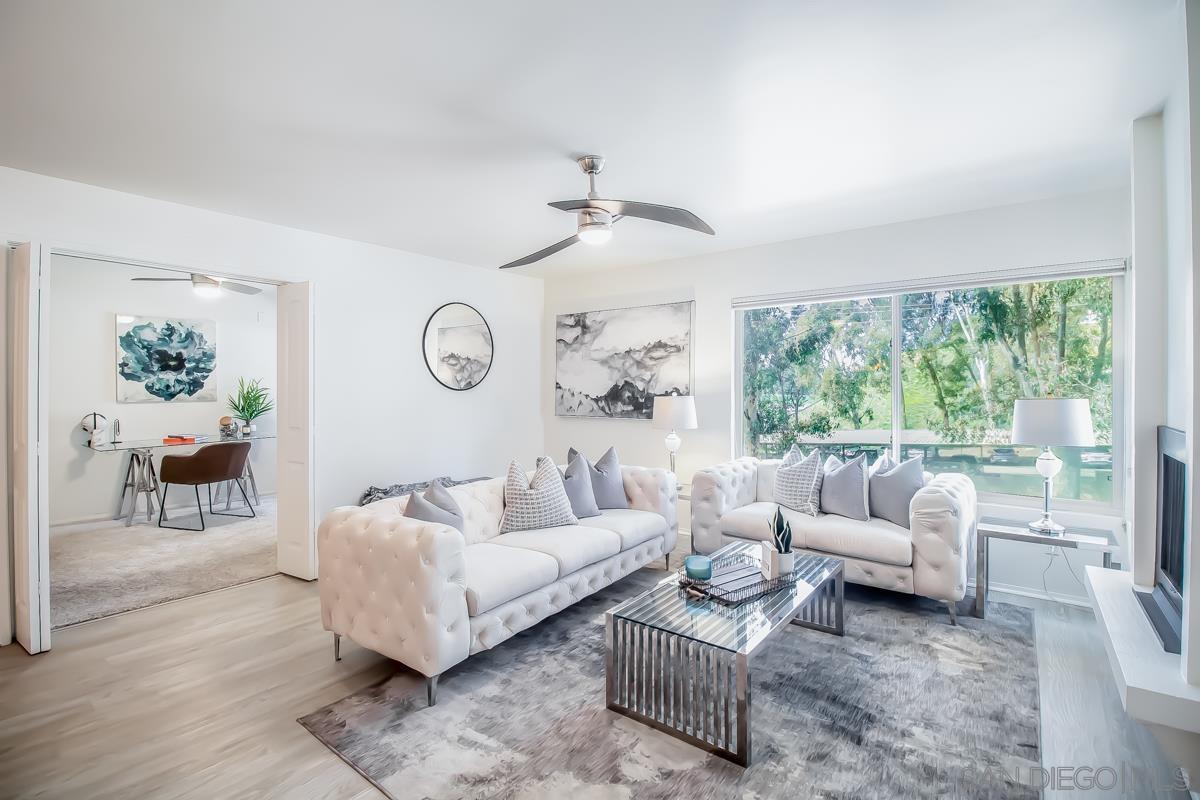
(162, 360)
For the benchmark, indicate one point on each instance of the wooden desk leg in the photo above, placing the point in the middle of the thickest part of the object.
(981, 574)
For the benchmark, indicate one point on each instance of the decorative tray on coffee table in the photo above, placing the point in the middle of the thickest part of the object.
(736, 578)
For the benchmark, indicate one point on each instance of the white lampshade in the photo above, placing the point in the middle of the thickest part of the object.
(1053, 422)
(675, 412)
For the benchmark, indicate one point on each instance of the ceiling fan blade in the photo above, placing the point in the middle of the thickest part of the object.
(540, 254)
(189, 280)
(240, 288)
(651, 211)
(547, 251)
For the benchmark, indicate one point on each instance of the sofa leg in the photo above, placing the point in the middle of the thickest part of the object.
(953, 612)
(667, 558)
(431, 689)
(337, 647)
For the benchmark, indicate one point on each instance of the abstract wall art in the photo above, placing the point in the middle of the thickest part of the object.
(165, 360)
(464, 355)
(613, 363)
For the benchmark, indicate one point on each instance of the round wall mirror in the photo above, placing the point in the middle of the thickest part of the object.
(458, 346)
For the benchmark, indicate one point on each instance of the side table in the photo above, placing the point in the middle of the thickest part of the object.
(1071, 539)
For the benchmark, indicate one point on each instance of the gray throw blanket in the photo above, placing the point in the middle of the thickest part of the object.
(374, 493)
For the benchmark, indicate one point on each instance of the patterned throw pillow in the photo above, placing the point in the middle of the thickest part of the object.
(796, 480)
(540, 503)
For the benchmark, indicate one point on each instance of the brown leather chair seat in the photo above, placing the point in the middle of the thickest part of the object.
(212, 463)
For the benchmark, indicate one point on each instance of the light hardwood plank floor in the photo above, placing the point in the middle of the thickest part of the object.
(198, 698)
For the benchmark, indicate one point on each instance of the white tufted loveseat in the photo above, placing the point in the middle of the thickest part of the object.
(429, 596)
(734, 501)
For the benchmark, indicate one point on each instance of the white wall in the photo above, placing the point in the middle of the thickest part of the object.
(85, 297)
(380, 416)
(1074, 228)
(1181, 122)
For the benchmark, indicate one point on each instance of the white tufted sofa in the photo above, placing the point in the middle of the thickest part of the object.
(429, 596)
(733, 501)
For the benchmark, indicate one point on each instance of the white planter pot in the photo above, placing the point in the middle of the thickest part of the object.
(774, 564)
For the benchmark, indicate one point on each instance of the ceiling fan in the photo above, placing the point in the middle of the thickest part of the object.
(205, 286)
(596, 215)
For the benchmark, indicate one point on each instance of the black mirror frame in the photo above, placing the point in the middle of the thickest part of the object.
(425, 333)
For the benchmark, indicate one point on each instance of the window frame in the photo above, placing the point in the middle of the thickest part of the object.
(1116, 269)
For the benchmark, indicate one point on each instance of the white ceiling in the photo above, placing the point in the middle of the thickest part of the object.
(445, 128)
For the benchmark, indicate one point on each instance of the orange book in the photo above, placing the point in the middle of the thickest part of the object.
(179, 440)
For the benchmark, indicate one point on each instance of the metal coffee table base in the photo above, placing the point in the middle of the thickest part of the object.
(692, 690)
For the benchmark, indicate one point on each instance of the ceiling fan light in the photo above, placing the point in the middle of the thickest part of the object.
(595, 232)
(205, 287)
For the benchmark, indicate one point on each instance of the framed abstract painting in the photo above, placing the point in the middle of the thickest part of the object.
(165, 360)
(613, 363)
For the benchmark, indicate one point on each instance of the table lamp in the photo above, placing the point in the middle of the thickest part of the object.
(674, 413)
(1047, 423)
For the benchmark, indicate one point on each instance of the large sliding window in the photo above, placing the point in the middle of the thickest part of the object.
(821, 374)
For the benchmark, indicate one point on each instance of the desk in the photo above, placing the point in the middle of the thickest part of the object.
(141, 477)
(1072, 539)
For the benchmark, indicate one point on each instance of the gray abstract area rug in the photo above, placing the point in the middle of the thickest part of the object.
(905, 705)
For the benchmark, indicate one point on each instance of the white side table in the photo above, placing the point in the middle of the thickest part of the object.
(1072, 538)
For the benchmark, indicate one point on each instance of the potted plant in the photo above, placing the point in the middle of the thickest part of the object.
(777, 556)
(249, 402)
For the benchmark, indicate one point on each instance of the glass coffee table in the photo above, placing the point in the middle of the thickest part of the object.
(682, 664)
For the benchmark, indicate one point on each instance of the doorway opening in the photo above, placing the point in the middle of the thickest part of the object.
(147, 367)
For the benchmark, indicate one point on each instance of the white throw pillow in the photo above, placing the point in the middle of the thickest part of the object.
(540, 503)
(796, 479)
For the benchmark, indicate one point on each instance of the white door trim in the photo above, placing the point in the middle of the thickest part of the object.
(295, 479)
(27, 328)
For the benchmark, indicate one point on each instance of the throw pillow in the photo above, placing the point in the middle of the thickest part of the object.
(540, 503)
(436, 505)
(844, 488)
(577, 480)
(892, 488)
(607, 484)
(795, 480)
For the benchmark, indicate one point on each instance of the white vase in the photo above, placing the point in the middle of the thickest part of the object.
(773, 563)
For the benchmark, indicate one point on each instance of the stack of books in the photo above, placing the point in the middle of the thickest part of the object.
(184, 438)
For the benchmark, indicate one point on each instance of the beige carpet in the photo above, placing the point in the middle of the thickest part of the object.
(108, 568)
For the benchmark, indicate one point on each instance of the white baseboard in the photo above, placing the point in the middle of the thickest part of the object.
(1080, 601)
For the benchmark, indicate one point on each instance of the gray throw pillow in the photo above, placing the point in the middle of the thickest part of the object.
(436, 505)
(540, 503)
(607, 484)
(795, 479)
(844, 488)
(577, 480)
(892, 488)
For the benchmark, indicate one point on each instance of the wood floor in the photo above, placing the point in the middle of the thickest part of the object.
(199, 698)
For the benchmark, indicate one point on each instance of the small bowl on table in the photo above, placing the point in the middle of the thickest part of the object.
(698, 567)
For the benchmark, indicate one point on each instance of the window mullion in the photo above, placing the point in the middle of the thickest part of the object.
(897, 387)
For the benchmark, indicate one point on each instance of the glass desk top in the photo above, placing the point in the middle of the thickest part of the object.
(739, 628)
(147, 444)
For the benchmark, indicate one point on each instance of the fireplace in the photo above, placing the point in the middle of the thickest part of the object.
(1164, 605)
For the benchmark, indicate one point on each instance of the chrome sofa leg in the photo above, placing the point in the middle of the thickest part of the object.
(950, 606)
(431, 689)
(337, 647)
(667, 557)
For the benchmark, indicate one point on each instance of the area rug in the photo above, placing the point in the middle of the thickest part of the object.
(905, 705)
(106, 569)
